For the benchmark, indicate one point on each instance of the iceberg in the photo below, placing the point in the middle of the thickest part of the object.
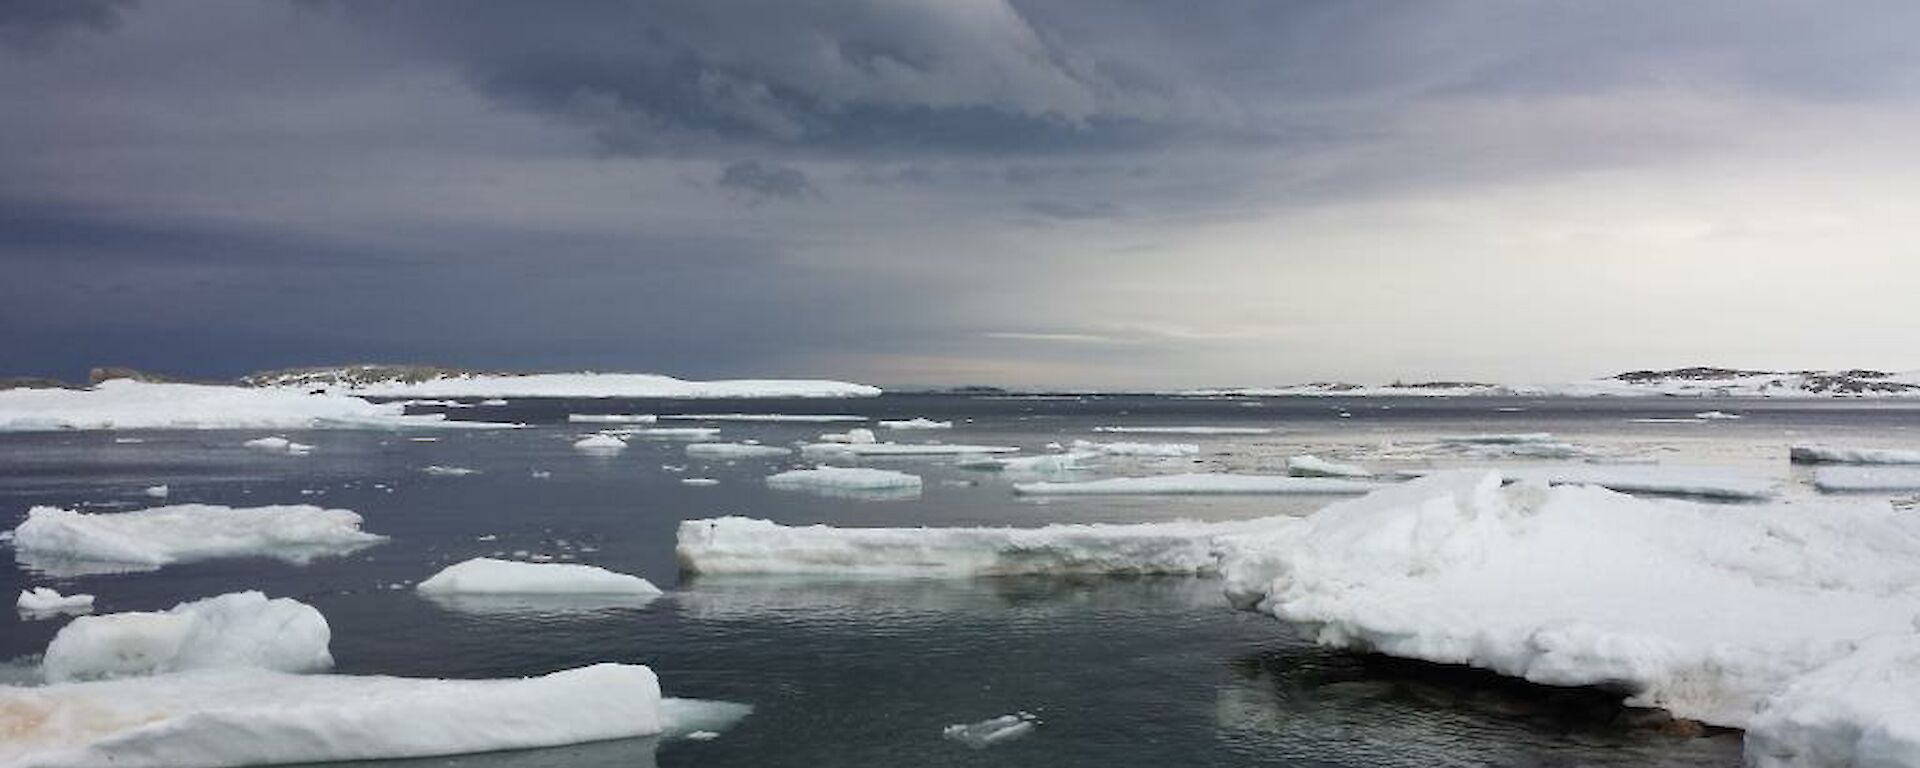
(989, 732)
(600, 444)
(238, 717)
(1677, 604)
(1816, 454)
(127, 404)
(1314, 466)
(487, 576)
(739, 545)
(735, 451)
(847, 479)
(917, 423)
(1862, 710)
(1199, 484)
(585, 385)
(610, 418)
(1168, 450)
(242, 629)
(279, 445)
(57, 540)
(1866, 479)
(44, 601)
(1189, 430)
(775, 418)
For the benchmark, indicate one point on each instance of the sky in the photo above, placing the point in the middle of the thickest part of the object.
(1125, 194)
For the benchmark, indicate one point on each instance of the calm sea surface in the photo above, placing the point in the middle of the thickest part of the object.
(1147, 672)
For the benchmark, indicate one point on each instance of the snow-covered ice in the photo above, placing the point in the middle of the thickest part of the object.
(1045, 464)
(129, 404)
(1185, 430)
(860, 436)
(1711, 482)
(1164, 450)
(1314, 466)
(488, 576)
(603, 385)
(1862, 710)
(699, 482)
(1199, 484)
(917, 422)
(237, 717)
(157, 491)
(989, 732)
(861, 480)
(64, 540)
(241, 629)
(774, 418)
(611, 418)
(1502, 438)
(46, 601)
(600, 444)
(1864, 479)
(278, 444)
(735, 451)
(1818, 454)
(1683, 605)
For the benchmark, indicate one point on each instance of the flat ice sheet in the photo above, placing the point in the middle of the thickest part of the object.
(66, 541)
(122, 404)
(1199, 483)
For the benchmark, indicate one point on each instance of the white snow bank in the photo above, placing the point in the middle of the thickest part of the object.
(900, 449)
(742, 545)
(776, 418)
(1867, 479)
(1711, 482)
(48, 601)
(128, 404)
(917, 423)
(1189, 430)
(1817, 454)
(150, 538)
(611, 418)
(278, 444)
(600, 444)
(859, 436)
(242, 629)
(1138, 449)
(233, 717)
(1684, 605)
(603, 385)
(1314, 466)
(735, 450)
(487, 576)
(1862, 710)
(845, 479)
(1199, 483)
(991, 731)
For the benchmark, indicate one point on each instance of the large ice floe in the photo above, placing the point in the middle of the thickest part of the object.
(848, 481)
(66, 541)
(1199, 484)
(598, 385)
(128, 404)
(242, 629)
(1820, 454)
(488, 576)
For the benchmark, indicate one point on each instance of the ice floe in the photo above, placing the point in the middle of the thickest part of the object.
(1160, 450)
(991, 731)
(699, 482)
(1199, 484)
(157, 491)
(611, 418)
(66, 541)
(1710, 482)
(1314, 466)
(441, 470)
(916, 423)
(1500, 438)
(1862, 710)
(1678, 604)
(488, 576)
(667, 433)
(1186, 430)
(45, 601)
(242, 629)
(128, 404)
(1859, 479)
(858, 436)
(902, 449)
(1046, 464)
(1819, 454)
(600, 385)
(1716, 416)
(278, 444)
(735, 451)
(600, 444)
(852, 480)
(775, 418)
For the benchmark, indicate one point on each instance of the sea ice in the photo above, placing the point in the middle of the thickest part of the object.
(1168, 450)
(776, 418)
(1857, 479)
(1711, 482)
(1716, 416)
(1048, 464)
(600, 444)
(611, 418)
(1861, 710)
(45, 601)
(917, 423)
(128, 404)
(1314, 466)
(438, 470)
(668, 433)
(54, 539)
(901, 449)
(1199, 483)
(858, 435)
(279, 445)
(1188, 430)
(848, 479)
(487, 576)
(735, 451)
(699, 481)
(989, 732)
(241, 629)
(599, 385)
(157, 491)
(1508, 438)
(1816, 454)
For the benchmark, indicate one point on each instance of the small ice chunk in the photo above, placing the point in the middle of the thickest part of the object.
(39, 602)
(735, 451)
(600, 444)
(917, 423)
(776, 418)
(487, 576)
(900, 449)
(856, 436)
(1314, 466)
(438, 470)
(1716, 416)
(278, 444)
(494, 402)
(987, 733)
(241, 629)
(699, 481)
(157, 491)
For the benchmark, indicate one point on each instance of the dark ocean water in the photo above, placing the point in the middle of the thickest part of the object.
(1143, 672)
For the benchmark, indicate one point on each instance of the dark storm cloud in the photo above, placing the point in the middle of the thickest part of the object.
(760, 182)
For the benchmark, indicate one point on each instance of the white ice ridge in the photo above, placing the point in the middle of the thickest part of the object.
(1857, 479)
(991, 731)
(1863, 710)
(1200, 484)
(601, 444)
(238, 717)
(918, 422)
(150, 538)
(1817, 454)
(776, 418)
(277, 444)
(39, 601)
(242, 629)
(1314, 466)
(844, 479)
(487, 576)
(128, 404)
(900, 449)
(611, 418)
(1189, 430)
(1679, 603)
(735, 450)
(744, 545)
(605, 385)
(1710, 482)
(1138, 449)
